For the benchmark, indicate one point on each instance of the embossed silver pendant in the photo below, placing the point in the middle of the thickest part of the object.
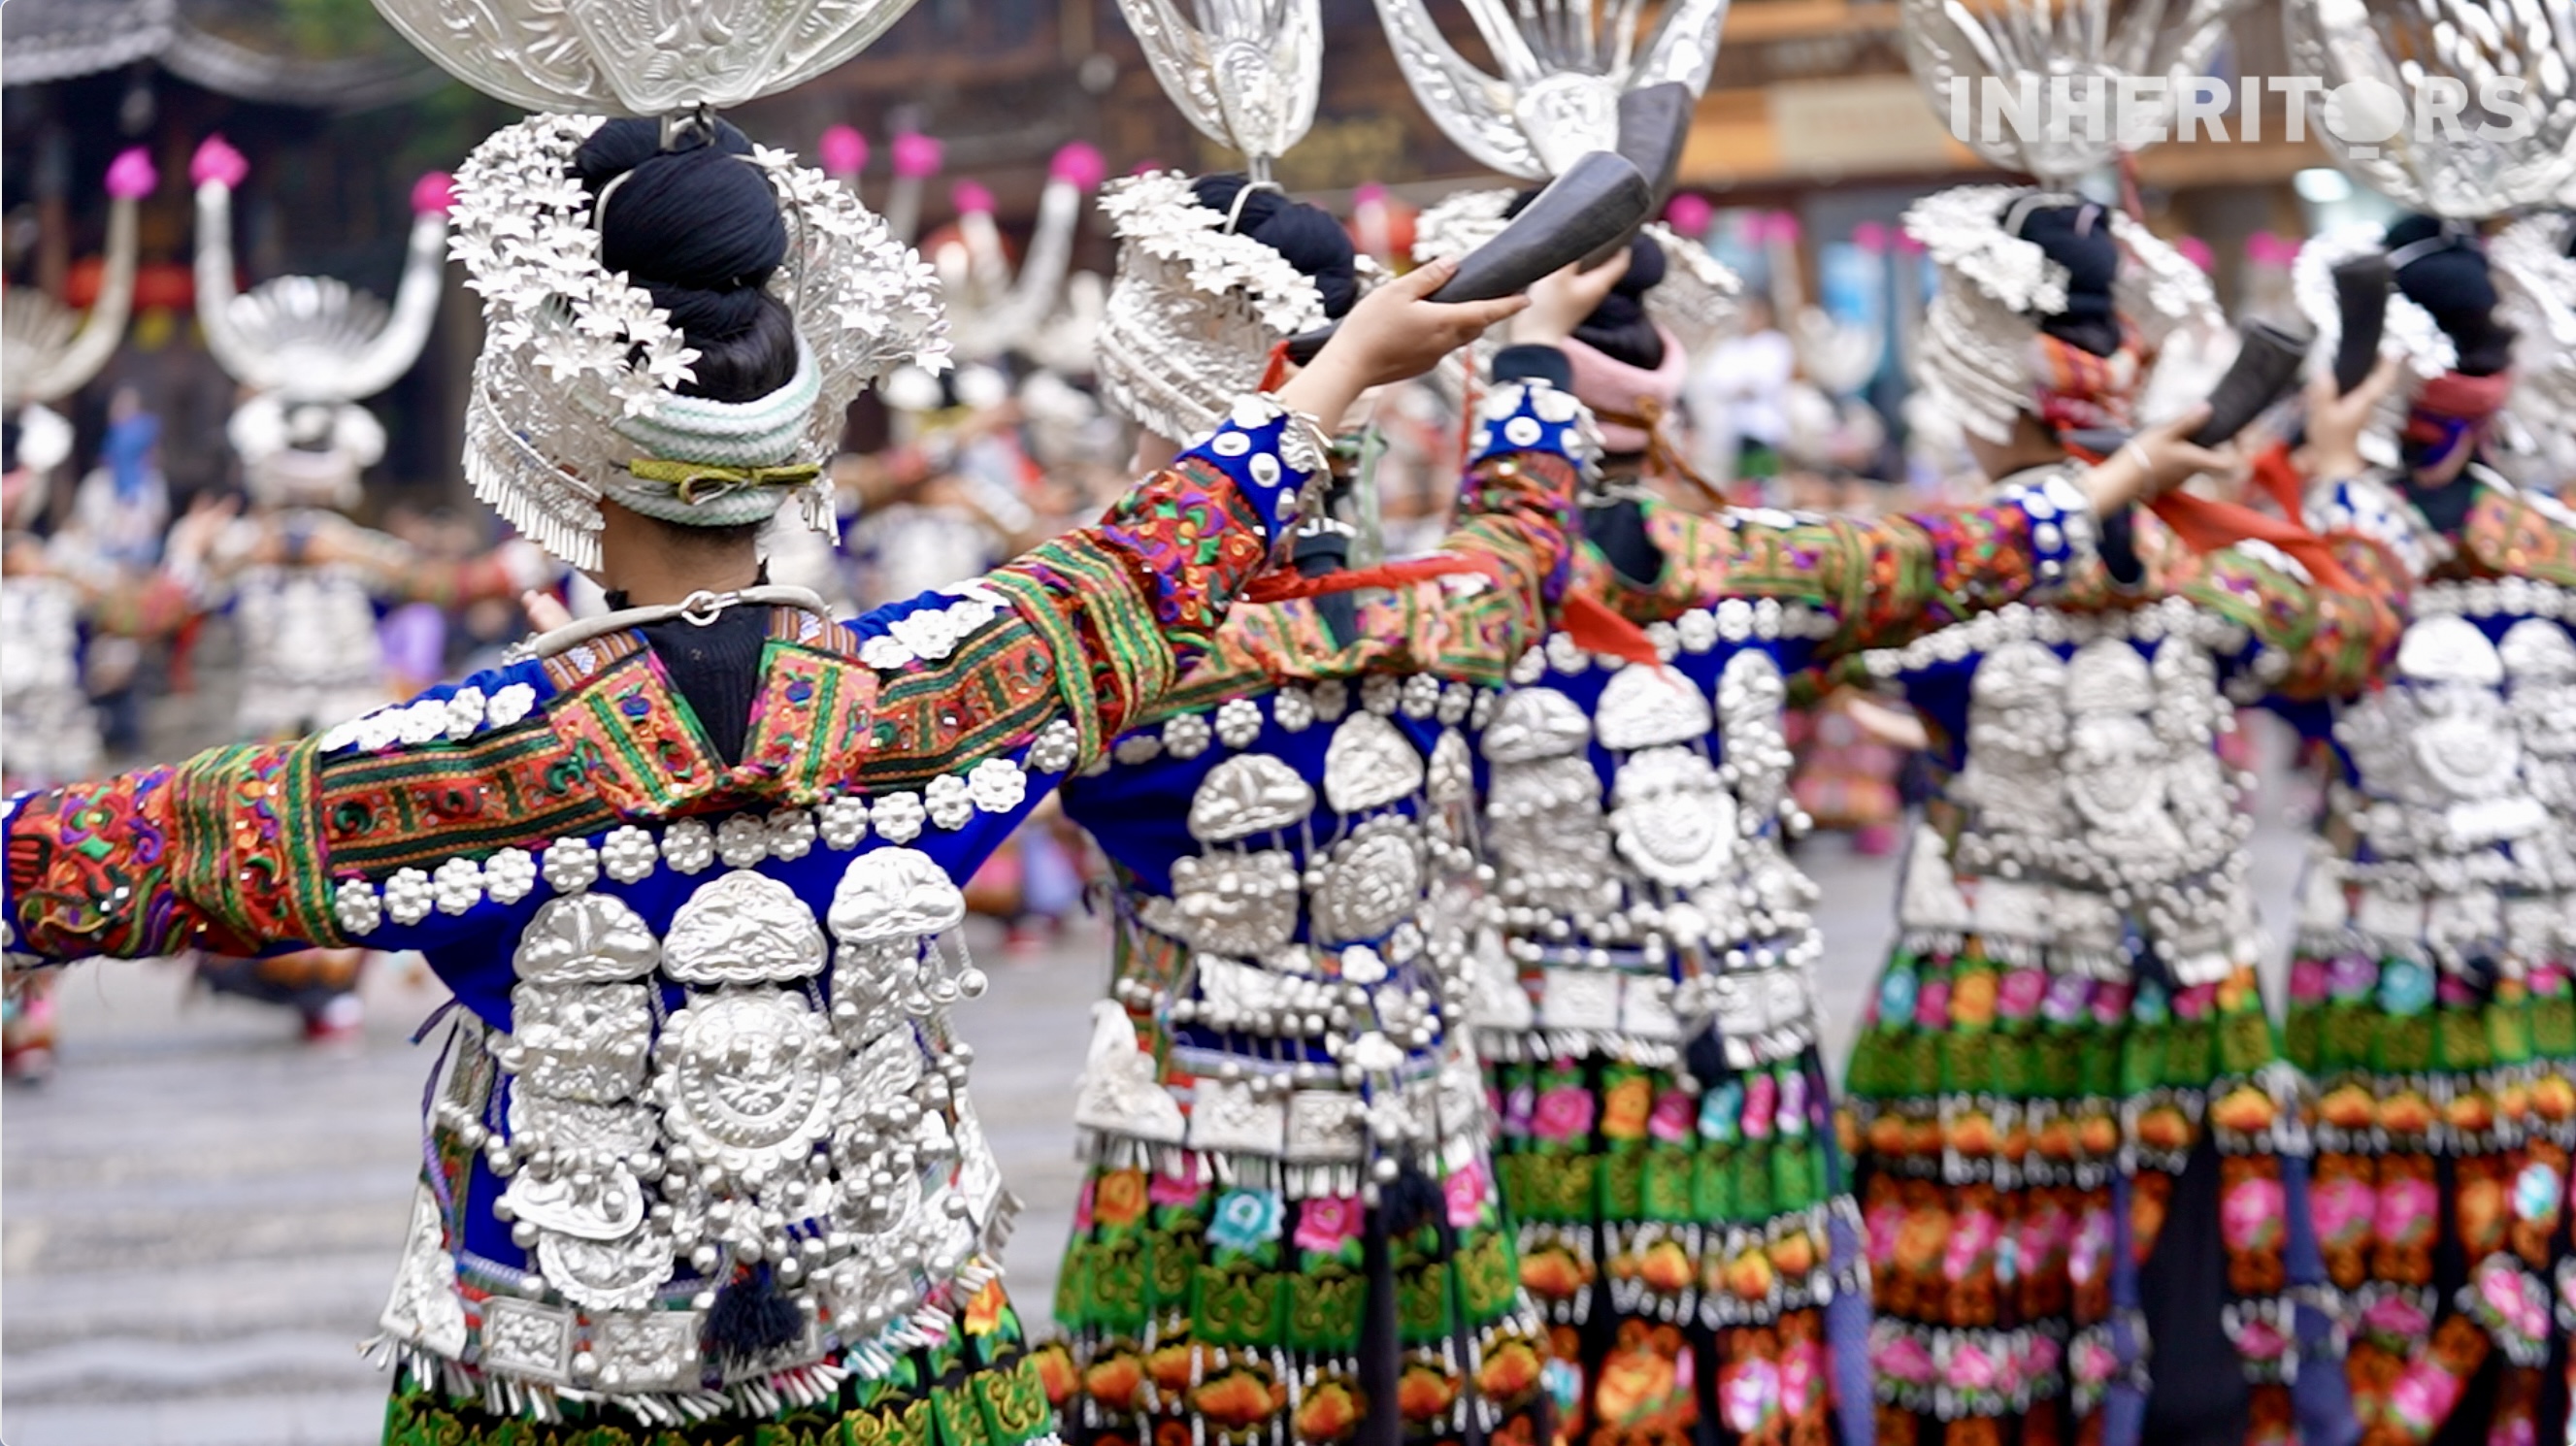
(1119, 1094)
(1370, 881)
(602, 1203)
(606, 1274)
(1239, 904)
(648, 1350)
(577, 1041)
(1369, 764)
(1248, 794)
(1649, 707)
(1535, 723)
(586, 939)
(527, 1339)
(748, 1079)
(894, 893)
(1673, 818)
(1226, 1116)
(424, 1309)
(1452, 778)
(743, 928)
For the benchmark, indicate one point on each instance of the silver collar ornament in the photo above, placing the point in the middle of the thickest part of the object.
(2484, 162)
(1565, 64)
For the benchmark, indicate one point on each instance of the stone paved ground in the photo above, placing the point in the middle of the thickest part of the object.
(199, 1216)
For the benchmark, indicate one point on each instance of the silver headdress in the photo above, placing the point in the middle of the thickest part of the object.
(1190, 321)
(574, 395)
(2537, 279)
(2070, 57)
(2389, 59)
(1975, 351)
(47, 350)
(1195, 310)
(309, 348)
(992, 308)
(1564, 69)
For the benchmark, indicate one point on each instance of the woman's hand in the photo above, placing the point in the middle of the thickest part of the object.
(1562, 299)
(1393, 334)
(2153, 463)
(2336, 422)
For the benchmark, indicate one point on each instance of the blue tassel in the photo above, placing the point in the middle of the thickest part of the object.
(752, 1317)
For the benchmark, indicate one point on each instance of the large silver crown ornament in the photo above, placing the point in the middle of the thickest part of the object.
(992, 306)
(2070, 54)
(1564, 63)
(1244, 72)
(579, 369)
(49, 351)
(309, 348)
(2382, 131)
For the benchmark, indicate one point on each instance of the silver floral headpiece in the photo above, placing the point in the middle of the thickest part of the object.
(1195, 310)
(1696, 300)
(1564, 69)
(1995, 288)
(578, 363)
(2472, 166)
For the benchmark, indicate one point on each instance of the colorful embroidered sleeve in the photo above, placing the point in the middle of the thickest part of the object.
(1880, 583)
(1508, 556)
(2519, 533)
(1125, 605)
(2301, 640)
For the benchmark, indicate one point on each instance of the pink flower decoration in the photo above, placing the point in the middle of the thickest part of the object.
(1563, 1113)
(1882, 1223)
(2042, 1238)
(1973, 1235)
(2406, 1210)
(915, 156)
(2041, 1358)
(2092, 1253)
(2111, 1002)
(1971, 1369)
(1903, 1358)
(1082, 1205)
(1689, 213)
(2250, 1217)
(2018, 996)
(1749, 1393)
(969, 196)
(216, 160)
(2308, 981)
(2094, 1361)
(2196, 1002)
(1675, 1117)
(2342, 1209)
(1078, 164)
(844, 151)
(2396, 1316)
(1870, 236)
(1516, 1109)
(2423, 1397)
(130, 176)
(434, 194)
(1802, 1373)
(1184, 1188)
(2258, 1339)
(1326, 1222)
(1932, 1005)
(1466, 1190)
(1761, 1106)
(2520, 1308)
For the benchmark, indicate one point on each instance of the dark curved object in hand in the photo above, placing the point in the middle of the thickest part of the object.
(2361, 294)
(1654, 123)
(2266, 365)
(1598, 202)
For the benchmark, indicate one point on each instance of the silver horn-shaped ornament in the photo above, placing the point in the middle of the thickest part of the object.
(1565, 65)
(639, 57)
(312, 338)
(2059, 65)
(2461, 108)
(992, 309)
(1245, 72)
(47, 350)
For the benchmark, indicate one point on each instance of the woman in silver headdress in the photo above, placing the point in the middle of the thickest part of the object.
(700, 1162)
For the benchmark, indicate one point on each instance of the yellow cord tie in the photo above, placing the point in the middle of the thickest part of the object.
(695, 482)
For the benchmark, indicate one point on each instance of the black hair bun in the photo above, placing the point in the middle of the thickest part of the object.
(2452, 282)
(699, 229)
(2079, 239)
(1619, 327)
(1307, 237)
